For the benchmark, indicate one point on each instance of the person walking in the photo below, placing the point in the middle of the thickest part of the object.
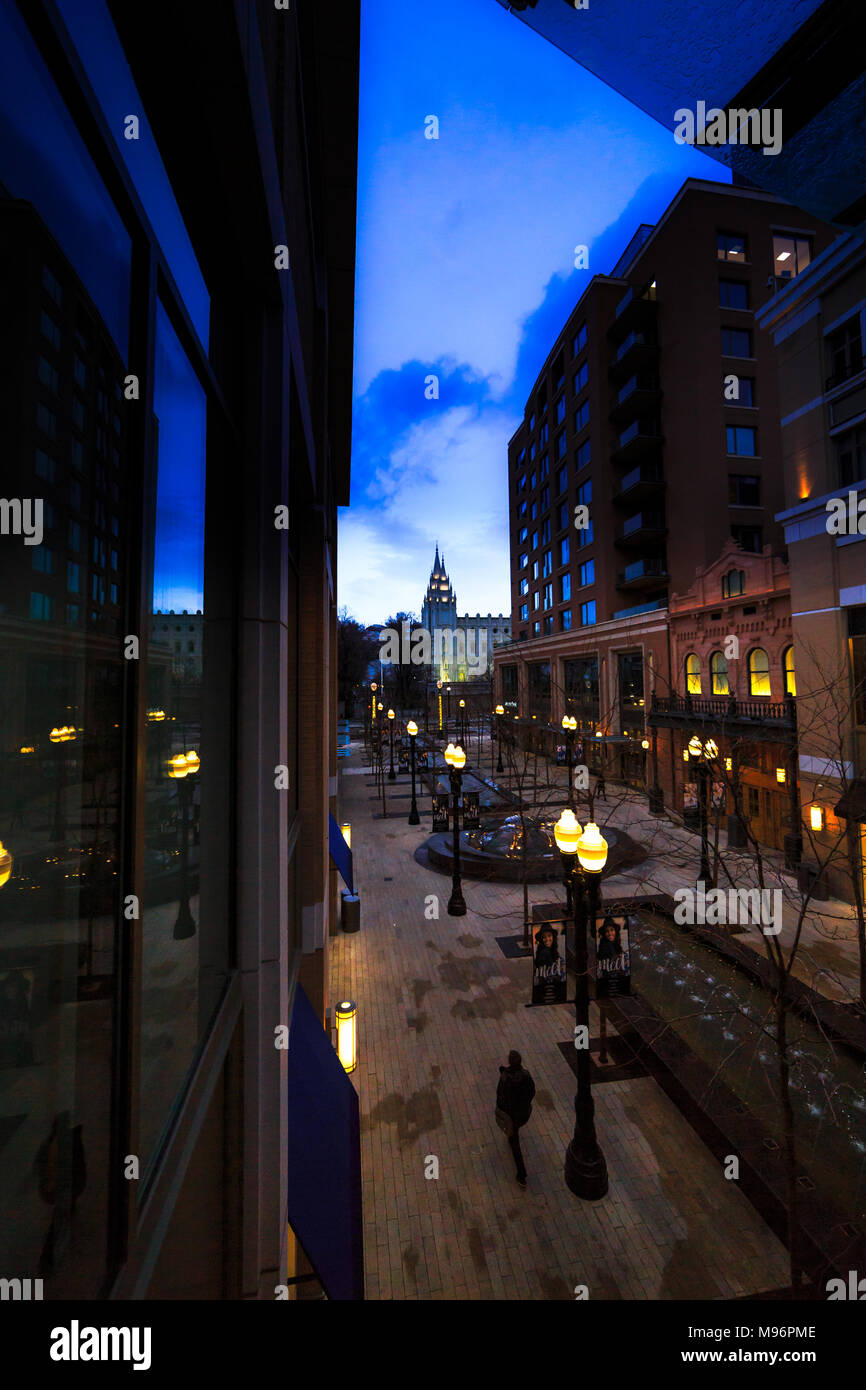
(600, 792)
(514, 1097)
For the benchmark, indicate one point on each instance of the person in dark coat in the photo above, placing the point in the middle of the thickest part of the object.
(514, 1095)
(600, 792)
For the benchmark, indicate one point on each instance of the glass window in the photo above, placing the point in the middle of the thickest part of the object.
(743, 389)
(851, 456)
(751, 538)
(581, 417)
(524, 586)
(547, 566)
(587, 613)
(579, 341)
(733, 583)
(548, 596)
(733, 294)
(744, 490)
(582, 456)
(95, 37)
(742, 439)
(560, 445)
(562, 479)
(719, 674)
(844, 351)
(731, 246)
(565, 585)
(536, 599)
(535, 569)
(585, 535)
(693, 674)
(759, 672)
(587, 573)
(560, 410)
(49, 376)
(565, 620)
(523, 561)
(791, 255)
(736, 342)
(545, 532)
(544, 434)
(524, 611)
(788, 668)
(564, 550)
(548, 624)
(534, 542)
(45, 466)
(173, 923)
(584, 493)
(581, 377)
(562, 516)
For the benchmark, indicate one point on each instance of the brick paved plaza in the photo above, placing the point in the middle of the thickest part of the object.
(439, 1007)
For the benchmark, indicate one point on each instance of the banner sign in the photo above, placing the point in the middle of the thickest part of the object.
(613, 970)
(561, 755)
(440, 813)
(471, 813)
(549, 981)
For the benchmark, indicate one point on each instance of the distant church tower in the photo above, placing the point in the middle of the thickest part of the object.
(439, 610)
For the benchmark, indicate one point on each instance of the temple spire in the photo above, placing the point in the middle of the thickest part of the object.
(436, 561)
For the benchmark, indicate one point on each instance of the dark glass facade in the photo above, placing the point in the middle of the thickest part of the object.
(153, 414)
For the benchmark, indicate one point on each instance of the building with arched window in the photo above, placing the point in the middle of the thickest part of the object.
(731, 645)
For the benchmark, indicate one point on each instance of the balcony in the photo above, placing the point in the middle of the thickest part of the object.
(636, 309)
(646, 573)
(645, 481)
(641, 528)
(725, 714)
(639, 396)
(851, 369)
(641, 439)
(637, 352)
(652, 607)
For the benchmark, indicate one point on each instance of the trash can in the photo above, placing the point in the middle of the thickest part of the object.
(350, 912)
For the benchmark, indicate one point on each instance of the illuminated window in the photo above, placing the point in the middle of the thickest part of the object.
(719, 674)
(693, 673)
(788, 668)
(759, 672)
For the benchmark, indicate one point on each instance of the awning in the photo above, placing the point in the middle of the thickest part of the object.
(340, 853)
(324, 1157)
(853, 803)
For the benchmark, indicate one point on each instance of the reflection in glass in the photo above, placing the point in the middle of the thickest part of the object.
(176, 758)
(64, 289)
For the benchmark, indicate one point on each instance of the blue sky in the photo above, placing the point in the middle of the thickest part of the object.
(465, 269)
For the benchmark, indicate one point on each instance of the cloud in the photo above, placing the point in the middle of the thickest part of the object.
(444, 481)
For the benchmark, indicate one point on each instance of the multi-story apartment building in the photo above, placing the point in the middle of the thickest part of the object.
(650, 440)
(175, 396)
(817, 325)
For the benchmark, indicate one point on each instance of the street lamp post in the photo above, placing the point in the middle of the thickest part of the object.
(569, 724)
(412, 731)
(462, 723)
(392, 776)
(182, 766)
(456, 760)
(584, 857)
(700, 754)
(500, 711)
(374, 688)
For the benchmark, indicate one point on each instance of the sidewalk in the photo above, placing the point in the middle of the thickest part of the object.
(439, 1006)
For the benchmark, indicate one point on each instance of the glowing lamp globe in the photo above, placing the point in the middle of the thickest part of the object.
(449, 754)
(411, 728)
(390, 714)
(458, 758)
(500, 709)
(694, 747)
(178, 766)
(592, 849)
(711, 749)
(193, 761)
(566, 832)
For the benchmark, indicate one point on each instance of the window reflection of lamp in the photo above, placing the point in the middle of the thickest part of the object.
(5, 865)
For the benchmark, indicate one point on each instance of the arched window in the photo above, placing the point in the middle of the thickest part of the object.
(719, 674)
(693, 673)
(733, 583)
(788, 669)
(759, 672)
